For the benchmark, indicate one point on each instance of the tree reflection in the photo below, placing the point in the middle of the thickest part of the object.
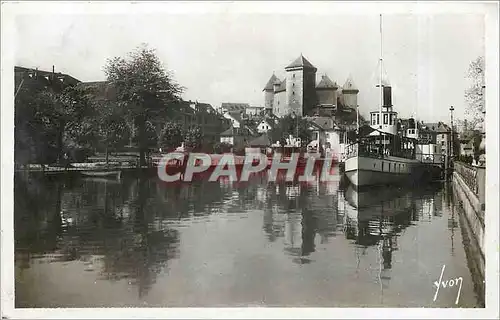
(37, 224)
(95, 219)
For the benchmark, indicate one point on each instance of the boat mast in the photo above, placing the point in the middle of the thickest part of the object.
(357, 119)
(381, 99)
(381, 74)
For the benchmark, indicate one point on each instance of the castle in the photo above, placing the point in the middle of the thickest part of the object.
(299, 94)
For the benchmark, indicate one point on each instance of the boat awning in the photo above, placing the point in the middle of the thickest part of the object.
(368, 131)
(363, 132)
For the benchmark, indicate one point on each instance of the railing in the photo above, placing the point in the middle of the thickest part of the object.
(474, 178)
(365, 150)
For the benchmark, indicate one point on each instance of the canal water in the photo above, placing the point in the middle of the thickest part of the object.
(144, 243)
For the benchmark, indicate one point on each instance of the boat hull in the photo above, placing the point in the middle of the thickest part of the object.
(368, 171)
(102, 174)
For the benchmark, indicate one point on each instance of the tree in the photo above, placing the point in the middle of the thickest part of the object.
(194, 138)
(151, 136)
(48, 118)
(144, 89)
(288, 125)
(171, 136)
(112, 130)
(474, 95)
(65, 118)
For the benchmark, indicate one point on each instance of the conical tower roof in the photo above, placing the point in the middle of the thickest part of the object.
(270, 83)
(349, 86)
(326, 83)
(301, 62)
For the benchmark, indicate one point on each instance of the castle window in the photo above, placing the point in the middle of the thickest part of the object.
(293, 75)
(386, 118)
(293, 92)
(293, 84)
(378, 118)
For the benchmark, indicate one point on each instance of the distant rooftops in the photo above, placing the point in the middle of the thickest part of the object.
(33, 72)
(232, 107)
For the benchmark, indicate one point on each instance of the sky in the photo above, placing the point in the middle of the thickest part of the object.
(229, 57)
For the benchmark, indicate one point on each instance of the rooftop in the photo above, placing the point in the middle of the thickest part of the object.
(262, 141)
(21, 72)
(230, 106)
(326, 83)
(282, 86)
(301, 62)
(325, 123)
(270, 84)
(438, 127)
(349, 85)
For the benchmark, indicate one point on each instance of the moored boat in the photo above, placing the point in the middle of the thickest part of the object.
(102, 173)
(379, 154)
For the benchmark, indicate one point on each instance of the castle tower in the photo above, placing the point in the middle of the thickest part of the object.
(269, 93)
(350, 93)
(279, 104)
(300, 87)
(327, 91)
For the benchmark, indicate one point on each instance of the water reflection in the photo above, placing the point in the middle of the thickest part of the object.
(131, 230)
(99, 223)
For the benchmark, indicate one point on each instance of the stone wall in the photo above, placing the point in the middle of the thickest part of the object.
(471, 212)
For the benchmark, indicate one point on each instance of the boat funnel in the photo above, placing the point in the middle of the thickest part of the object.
(387, 97)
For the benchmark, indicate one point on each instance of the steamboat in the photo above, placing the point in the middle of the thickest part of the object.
(380, 154)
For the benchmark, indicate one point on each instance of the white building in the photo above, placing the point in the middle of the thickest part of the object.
(264, 126)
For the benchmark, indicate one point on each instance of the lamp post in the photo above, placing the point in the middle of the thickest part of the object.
(482, 146)
(451, 115)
